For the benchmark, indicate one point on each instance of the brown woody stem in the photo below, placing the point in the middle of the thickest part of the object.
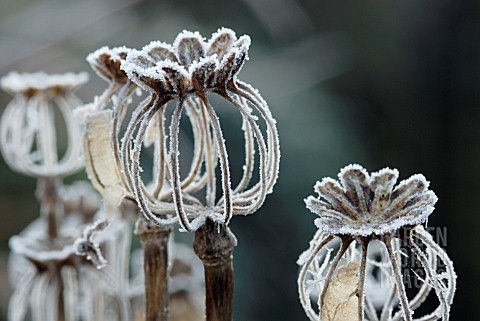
(214, 244)
(154, 241)
(51, 207)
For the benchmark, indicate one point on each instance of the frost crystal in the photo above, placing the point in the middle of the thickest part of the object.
(379, 227)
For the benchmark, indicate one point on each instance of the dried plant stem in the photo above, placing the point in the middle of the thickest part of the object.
(397, 272)
(304, 294)
(214, 245)
(50, 204)
(61, 304)
(154, 241)
(345, 243)
(361, 280)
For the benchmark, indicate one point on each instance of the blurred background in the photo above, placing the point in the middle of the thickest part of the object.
(379, 83)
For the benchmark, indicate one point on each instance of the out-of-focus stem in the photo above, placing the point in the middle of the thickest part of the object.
(214, 245)
(154, 241)
(61, 302)
(52, 210)
(51, 207)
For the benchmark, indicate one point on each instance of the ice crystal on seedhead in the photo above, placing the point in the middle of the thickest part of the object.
(361, 204)
(189, 71)
(375, 223)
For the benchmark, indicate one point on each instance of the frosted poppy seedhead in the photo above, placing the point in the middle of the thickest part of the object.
(106, 63)
(30, 84)
(363, 204)
(188, 72)
(52, 274)
(359, 210)
(30, 117)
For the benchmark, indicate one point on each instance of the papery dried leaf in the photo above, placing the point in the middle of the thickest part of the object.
(341, 301)
(113, 196)
(99, 154)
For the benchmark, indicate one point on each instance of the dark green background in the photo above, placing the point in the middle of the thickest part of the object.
(380, 83)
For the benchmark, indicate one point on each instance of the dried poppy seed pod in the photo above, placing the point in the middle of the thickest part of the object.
(102, 151)
(28, 131)
(103, 118)
(362, 205)
(102, 132)
(188, 72)
(56, 284)
(362, 208)
(28, 134)
(51, 282)
(106, 63)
